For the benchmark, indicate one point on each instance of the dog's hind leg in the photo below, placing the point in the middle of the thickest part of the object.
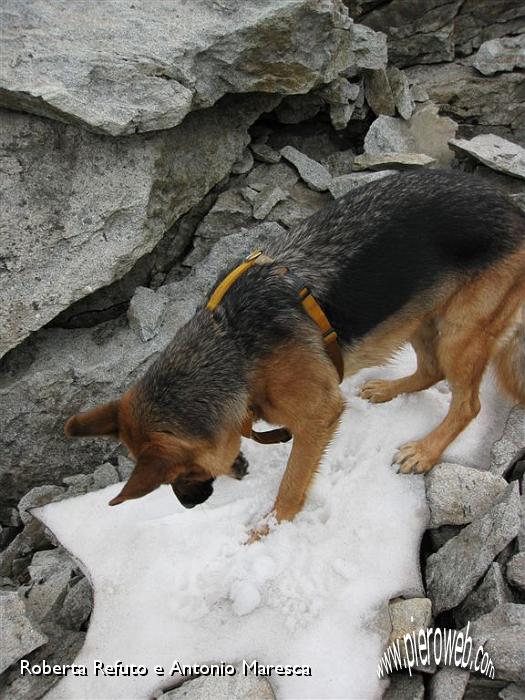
(428, 371)
(470, 331)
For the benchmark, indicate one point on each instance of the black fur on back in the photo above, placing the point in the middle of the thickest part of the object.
(364, 257)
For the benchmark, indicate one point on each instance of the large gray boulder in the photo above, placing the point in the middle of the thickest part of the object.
(80, 209)
(59, 372)
(121, 68)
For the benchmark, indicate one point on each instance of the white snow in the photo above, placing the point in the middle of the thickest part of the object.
(172, 584)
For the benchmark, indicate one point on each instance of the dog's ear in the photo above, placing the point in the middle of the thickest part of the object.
(102, 420)
(150, 472)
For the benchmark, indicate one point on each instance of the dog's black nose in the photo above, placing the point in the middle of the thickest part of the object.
(191, 495)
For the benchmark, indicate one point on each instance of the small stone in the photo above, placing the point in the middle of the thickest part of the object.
(502, 634)
(265, 153)
(105, 475)
(378, 93)
(38, 496)
(388, 135)
(236, 687)
(456, 495)
(50, 572)
(516, 571)
(453, 571)
(499, 55)
(495, 152)
(244, 164)
(401, 92)
(313, 173)
(369, 48)
(272, 174)
(513, 691)
(405, 687)
(408, 617)
(10, 516)
(124, 467)
(386, 161)
(340, 162)
(266, 199)
(419, 94)
(32, 537)
(346, 183)
(341, 95)
(491, 592)
(449, 683)
(19, 635)
(77, 605)
(78, 484)
(510, 443)
(145, 312)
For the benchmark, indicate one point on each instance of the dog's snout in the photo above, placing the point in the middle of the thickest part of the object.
(193, 494)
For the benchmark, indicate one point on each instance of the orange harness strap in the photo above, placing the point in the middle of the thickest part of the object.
(313, 310)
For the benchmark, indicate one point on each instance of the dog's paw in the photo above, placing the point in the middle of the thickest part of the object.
(377, 391)
(414, 457)
(258, 533)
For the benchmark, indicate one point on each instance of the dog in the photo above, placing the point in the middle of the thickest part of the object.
(433, 258)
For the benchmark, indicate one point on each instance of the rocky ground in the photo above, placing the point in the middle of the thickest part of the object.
(127, 152)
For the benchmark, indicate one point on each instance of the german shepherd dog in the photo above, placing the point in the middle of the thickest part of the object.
(432, 257)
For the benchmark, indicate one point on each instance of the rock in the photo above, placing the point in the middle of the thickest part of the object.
(387, 161)
(407, 617)
(449, 683)
(419, 94)
(105, 475)
(468, 97)
(341, 95)
(453, 571)
(125, 69)
(108, 201)
(77, 605)
(50, 572)
(38, 496)
(124, 467)
(497, 153)
(229, 213)
(59, 373)
(510, 443)
(401, 93)
(265, 153)
(378, 93)
(457, 495)
(340, 162)
(62, 648)
(280, 174)
(266, 199)
(19, 635)
(502, 634)
(302, 202)
(313, 173)
(504, 54)
(491, 592)
(405, 687)
(145, 313)
(369, 48)
(238, 687)
(516, 571)
(244, 164)
(426, 132)
(346, 183)
(433, 31)
(15, 558)
(78, 484)
(513, 691)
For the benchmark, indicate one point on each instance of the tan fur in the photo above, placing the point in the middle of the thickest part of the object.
(457, 343)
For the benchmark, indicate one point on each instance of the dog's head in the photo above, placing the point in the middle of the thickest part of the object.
(162, 455)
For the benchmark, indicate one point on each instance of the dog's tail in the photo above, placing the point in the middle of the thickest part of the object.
(509, 361)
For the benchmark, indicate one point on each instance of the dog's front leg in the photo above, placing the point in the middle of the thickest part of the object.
(309, 404)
